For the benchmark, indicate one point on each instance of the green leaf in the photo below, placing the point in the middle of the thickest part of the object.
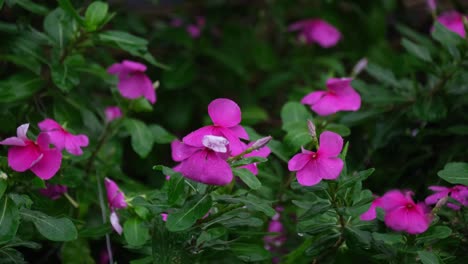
(249, 252)
(315, 208)
(248, 178)
(67, 6)
(252, 202)
(55, 229)
(145, 260)
(9, 220)
(358, 237)
(429, 109)
(19, 87)
(3, 185)
(124, 40)
(142, 139)
(95, 15)
(32, 7)
(293, 113)
(297, 136)
(176, 189)
(445, 36)
(419, 51)
(161, 135)
(248, 160)
(185, 217)
(135, 232)
(141, 105)
(11, 256)
(59, 26)
(427, 257)
(77, 252)
(64, 74)
(351, 179)
(461, 130)
(434, 233)
(342, 130)
(388, 238)
(384, 75)
(455, 173)
(180, 76)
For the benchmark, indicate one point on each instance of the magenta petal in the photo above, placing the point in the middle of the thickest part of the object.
(48, 166)
(324, 34)
(307, 177)
(224, 112)
(74, 143)
(206, 167)
(263, 152)
(115, 197)
(330, 144)
(371, 214)
(434, 198)
(340, 86)
(329, 104)
(181, 151)
(397, 219)
(235, 145)
(298, 161)
(22, 158)
(393, 199)
(132, 85)
(149, 92)
(133, 66)
(114, 220)
(195, 138)
(112, 112)
(252, 168)
(313, 97)
(49, 125)
(115, 69)
(453, 21)
(240, 132)
(439, 188)
(327, 168)
(417, 222)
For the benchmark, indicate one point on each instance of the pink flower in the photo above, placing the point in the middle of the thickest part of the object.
(133, 82)
(371, 214)
(453, 21)
(273, 243)
(62, 139)
(206, 164)
(402, 214)
(112, 113)
(164, 217)
(195, 30)
(26, 154)
(262, 153)
(339, 97)
(316, 31)
(458, 192)
(226, 116)
(53, 191)
(116, 200)
(312, 167)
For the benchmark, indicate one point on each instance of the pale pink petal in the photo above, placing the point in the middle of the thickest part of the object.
(133, 66)
(298, 161)
(371, 213)
(329, 104)
(434, 198)
(224, 112)
(114, 220)
(393, 199)
(195, 138)
(181, 151)
(207, 167)
(49, 165)
(330, 144)
(240, 132)
(453, 21)
(21, 131)
(74, 143)
(13, 141)
(324, 34)
(313, 97)
(439, 188)
(22, 158)
(307, 177)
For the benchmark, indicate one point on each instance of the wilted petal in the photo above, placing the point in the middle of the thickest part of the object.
(206, 167)
(330, 144)
(114, 219)
(53, 191)
(49, 165)
(224, 112)
(22, 158)
(181, 151)
(298, 161)
(74, 143)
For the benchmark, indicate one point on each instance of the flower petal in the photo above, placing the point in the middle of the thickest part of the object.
(114, 220)
(393, 199)
(453, 21)
(313, 97)
(48, 125)
(240, 132)
(22, 158)
(417, 222)
(13, 141)
(327, 105)
(133, 66)
(207, 167)
(307, 177)
(181, 151)
(298, 161)
(330, 143)
(324, 34)
(371, 213)
(115, 197)
(252, 168)
(340, 86)
(397, 219)
(73, 143)
(224, 112)
(48, 166)
(327, 168)
(21, 131)
(434, 198)
(195, 138)
(235, 145)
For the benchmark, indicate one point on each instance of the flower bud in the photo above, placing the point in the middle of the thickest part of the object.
(3, 175)
(432, 5)
(359, 67)
(312, 129)
(261, 143)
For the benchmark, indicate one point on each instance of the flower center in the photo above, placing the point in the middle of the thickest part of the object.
(314, 156)
(409, 206)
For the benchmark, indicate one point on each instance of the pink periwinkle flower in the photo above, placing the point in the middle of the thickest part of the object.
(453, 21)
(195, 30)
(133, 82)
(53, 191)
(312, 167)
(116, 200)
(226, 116)
(340, 96)
(403, 214)
(458, 192)
(25, 154)
(62, 139)
(206, 164)
(112, 113)
(371, 213)
(164, 217)
(262, 153)
(316, 31)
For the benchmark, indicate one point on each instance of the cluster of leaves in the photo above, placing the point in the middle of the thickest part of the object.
(411, 128)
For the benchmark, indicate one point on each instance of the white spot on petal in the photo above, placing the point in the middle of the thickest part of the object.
(215, 143)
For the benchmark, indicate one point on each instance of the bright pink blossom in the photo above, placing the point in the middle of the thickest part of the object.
(112, 113)
(53, 191)
(25, 154)
(458, 192)
(316, 31)
(206, 164)
(340, 96)
(312, 167)
(164, 217)
(371, 213)
(403, 214)
(453, 21)
(133, 82)
(62, 139)
(116, 200)
(226, 116)
(262, 153)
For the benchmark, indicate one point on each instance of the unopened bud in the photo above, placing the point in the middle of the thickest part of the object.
(441, 203)
(359, 67)
(312, 129)
(3, 175)
(156, 85)
(261, 143)
(432, 5)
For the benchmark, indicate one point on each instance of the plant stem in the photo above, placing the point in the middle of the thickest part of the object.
(71, 200)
